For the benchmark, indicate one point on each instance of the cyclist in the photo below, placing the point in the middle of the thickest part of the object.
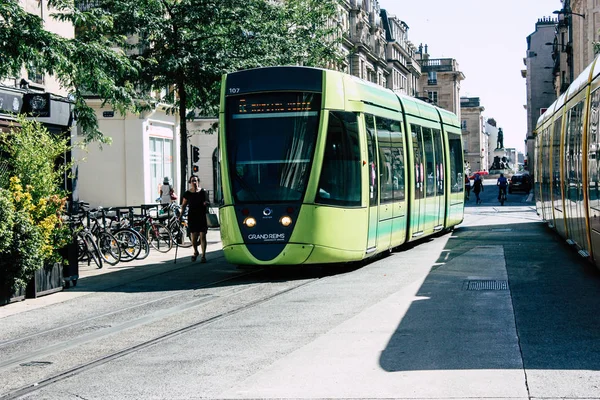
(502, 184)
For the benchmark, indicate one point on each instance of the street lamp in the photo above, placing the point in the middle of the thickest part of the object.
(565, 12)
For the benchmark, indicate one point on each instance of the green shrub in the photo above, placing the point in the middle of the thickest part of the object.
(31, 206)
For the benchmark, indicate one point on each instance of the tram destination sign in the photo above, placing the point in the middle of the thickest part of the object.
(274, 79)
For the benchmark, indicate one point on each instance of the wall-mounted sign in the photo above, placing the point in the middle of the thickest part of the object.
(10, 102)
(36, 104)
(108, 114)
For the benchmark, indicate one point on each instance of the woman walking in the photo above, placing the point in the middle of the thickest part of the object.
(467, 187)
(196, 200)
(477, 187)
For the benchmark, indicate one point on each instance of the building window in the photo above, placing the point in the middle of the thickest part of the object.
(35, 75)
(463, 124)
(432, 78)
(433, 96)
(161, 162)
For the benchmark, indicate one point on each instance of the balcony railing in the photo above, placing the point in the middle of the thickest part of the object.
(439, 65)
(432, 81)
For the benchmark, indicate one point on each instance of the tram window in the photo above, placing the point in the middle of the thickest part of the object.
(270, 145)
(397, 149)
(419, 169)
(593, 157)
(456, 163)
(339, 183)
(372, 149)
(439, 160)
(557, 195)
(429, 172)
(385, 160)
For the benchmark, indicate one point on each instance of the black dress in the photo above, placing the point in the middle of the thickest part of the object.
(196, 211)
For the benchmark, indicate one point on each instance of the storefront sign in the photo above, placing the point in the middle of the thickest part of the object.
(37, 104)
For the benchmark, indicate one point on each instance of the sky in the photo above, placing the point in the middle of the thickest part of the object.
(488, 39)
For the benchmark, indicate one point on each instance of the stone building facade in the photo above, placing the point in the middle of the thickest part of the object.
(440, 81)
(367, 42)
(405, 70)
(584, 22)
(539, 87)
(475, 139)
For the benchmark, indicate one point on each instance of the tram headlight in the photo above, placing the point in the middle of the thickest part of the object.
(285, 220)
(250, 222)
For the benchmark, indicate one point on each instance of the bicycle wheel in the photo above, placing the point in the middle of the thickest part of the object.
(93, 253)
(160, 237)
(145, 246)
(81, 248)
(130, 243)
(109, 248)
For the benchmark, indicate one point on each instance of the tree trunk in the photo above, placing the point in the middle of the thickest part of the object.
(183, 137)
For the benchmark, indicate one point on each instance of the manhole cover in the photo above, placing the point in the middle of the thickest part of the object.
(487, 285)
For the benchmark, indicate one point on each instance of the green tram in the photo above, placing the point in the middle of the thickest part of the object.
(318, 166)
(566, 168)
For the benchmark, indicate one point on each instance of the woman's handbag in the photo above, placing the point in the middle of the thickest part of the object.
(173, 195)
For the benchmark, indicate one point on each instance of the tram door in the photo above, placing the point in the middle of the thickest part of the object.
(373, 184)
(440, 192)
(418, 209)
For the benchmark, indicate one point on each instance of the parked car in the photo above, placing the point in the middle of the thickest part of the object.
(519, 183)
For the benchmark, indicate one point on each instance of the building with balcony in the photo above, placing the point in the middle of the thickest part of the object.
(404, 69)
(367, 59)
(475, 138)
(440, 81)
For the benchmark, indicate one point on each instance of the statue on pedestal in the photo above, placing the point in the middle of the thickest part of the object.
(500, 144)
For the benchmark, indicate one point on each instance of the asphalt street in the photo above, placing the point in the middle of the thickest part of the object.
(500, 308)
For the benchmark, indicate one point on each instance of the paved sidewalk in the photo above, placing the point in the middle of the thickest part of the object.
(92, 279)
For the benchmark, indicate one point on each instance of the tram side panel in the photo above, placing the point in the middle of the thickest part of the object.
(556, 164)
(455, 177)
(593, 154)
(392, 182)
(573, 184)
(337, 223)
(427, 211)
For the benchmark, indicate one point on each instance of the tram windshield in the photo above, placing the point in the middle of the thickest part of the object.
(270, 141)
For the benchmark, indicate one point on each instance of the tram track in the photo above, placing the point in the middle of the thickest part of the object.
(115, 312)
(225, 306)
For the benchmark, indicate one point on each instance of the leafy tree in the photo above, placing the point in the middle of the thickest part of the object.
(125, 49)
(186, 45)
(89, 63)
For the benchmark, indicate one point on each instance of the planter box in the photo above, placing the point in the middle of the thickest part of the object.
(18, 295)
(45, 281)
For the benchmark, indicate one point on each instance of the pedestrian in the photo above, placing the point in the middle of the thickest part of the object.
(477, 187)
(166, 192)
(196, 199)
(467, 187)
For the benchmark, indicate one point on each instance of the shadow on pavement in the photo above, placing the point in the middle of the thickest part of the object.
(546, 318)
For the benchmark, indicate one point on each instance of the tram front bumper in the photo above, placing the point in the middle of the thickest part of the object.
(292, 254)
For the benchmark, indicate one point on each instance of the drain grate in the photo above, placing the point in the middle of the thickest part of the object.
(487, 285)
(35, 363)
